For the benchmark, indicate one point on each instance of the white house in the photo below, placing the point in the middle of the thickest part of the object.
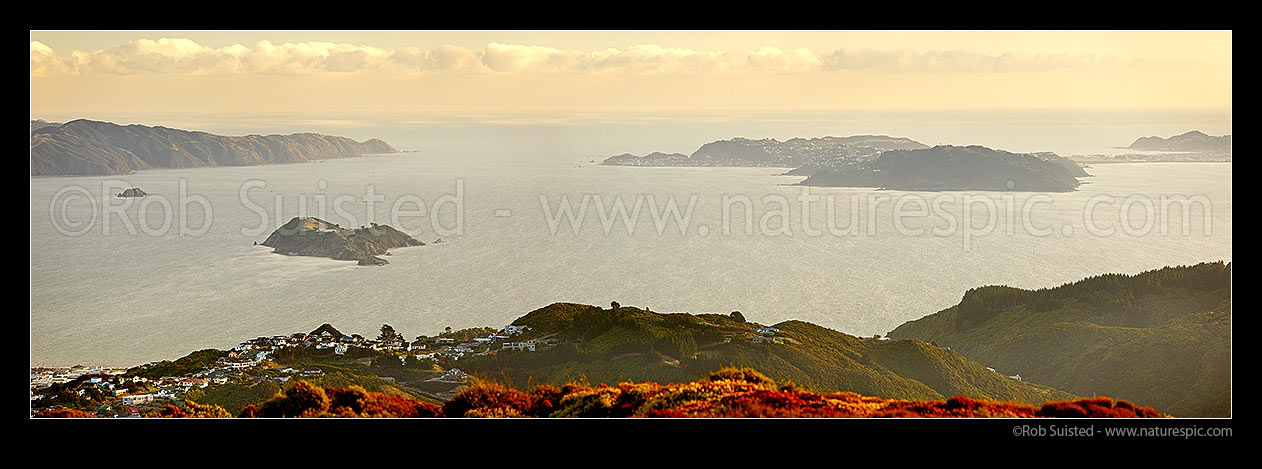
(136, 399)
(453, 375)
(530, 346)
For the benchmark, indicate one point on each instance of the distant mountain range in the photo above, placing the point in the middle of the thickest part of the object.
(1161, 337)
(1194, 141)
(947, 167)
(795, 152)
(92, 148)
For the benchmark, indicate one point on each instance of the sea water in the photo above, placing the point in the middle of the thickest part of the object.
(142, 292)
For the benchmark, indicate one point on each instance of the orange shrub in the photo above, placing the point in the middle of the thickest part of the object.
(63, 414)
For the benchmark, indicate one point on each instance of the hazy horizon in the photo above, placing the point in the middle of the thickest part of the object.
(579, 135)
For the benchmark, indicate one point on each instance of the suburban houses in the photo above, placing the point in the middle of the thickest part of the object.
(239, 364)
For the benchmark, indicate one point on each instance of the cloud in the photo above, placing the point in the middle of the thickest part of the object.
(955, 61)
(771, 59)
(519, 58)
(44, 61)
(445, 57)
(184, 56)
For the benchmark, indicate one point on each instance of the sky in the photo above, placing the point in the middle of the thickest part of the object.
(534, 72)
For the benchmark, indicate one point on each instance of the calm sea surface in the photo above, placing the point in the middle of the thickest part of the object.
(147, 291)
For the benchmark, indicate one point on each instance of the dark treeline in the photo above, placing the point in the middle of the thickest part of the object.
(1113, 293)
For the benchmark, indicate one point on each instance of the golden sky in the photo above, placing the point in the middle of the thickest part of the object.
(624, 71)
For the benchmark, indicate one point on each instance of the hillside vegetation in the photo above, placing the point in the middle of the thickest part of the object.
(600, 345)
(729, 392)
(1161, 337)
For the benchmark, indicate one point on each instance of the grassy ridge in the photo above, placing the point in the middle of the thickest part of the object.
(598, 345)
(186, 365)
(1161, 337)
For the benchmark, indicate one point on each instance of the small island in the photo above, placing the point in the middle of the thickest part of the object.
(310, 236)
(133, 192)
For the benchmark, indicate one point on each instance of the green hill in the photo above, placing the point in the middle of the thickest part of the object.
(1161, 337)
(188, 364)
(611, 345)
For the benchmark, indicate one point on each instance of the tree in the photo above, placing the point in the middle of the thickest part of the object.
(195, 395)
(738, 316)
(615, 305)
(301, 399)
(388, 335)
(193, 410)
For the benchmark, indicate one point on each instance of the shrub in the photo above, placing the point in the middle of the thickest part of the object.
(486, 395)
(742, 374)
(193, 410)
(1096, 407)
(302, 399)
(63, 414)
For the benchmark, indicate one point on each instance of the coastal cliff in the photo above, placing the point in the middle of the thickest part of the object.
(92, 148)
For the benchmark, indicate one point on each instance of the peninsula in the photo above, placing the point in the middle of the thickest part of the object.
(92, 148)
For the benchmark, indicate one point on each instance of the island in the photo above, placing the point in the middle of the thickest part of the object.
(133, 192)
(768, 152)
(92, 148)
(310, 236)
(1194, 141)
(881, 161)
(948, 167)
